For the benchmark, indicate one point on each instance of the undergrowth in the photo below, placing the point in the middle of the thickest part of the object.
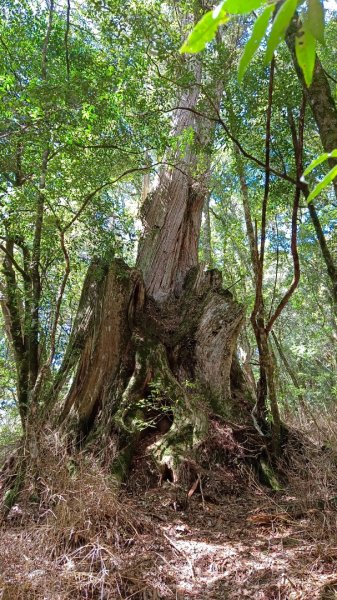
(72, 534)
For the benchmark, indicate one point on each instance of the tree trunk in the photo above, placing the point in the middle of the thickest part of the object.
(152, 352)
(327, 256)
(143, 362)
(207, 235)
(171, 214)
(153, 348)
(319, 96)
(294, 378)
(323, 106)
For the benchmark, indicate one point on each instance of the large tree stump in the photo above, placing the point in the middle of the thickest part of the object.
(143, 361)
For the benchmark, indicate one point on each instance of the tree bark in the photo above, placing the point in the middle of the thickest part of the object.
(319, 97)
(159, 340)
(172, 213)
(207, 235)
(12, 315)
(141, 360)
(116, 295)
(327, 256)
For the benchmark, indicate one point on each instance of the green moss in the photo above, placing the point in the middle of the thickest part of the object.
(269, 476)
(121, 269)
(190, 279)
(122, 464)
(98, 269)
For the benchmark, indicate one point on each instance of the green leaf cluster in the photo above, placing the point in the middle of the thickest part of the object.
(276, 15)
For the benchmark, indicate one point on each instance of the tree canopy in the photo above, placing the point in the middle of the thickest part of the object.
(89, 91)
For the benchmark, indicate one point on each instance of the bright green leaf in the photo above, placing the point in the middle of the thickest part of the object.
(241, 7)
(323, 184)
(205, 30)
(305, 46)
(319, 160)
(259, 30)
(280, 25)
(315, 19)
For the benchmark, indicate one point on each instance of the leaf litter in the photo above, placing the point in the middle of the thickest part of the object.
(232, 538)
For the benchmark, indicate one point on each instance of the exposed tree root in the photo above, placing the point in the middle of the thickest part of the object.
(143, 363)
(153, 373)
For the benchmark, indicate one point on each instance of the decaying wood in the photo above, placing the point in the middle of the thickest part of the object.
(140, 359)
(105, 342)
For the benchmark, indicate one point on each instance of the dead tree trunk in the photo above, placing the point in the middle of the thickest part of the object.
(142, 361)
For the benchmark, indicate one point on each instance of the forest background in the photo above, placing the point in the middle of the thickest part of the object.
(168, 291)
(87, 108)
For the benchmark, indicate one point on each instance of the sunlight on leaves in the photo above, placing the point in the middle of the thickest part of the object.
(237, 7)
(279, 28)
(205, 30)
(323, 184)
(259, 30)
(315, 19)
(319, 160)
(305, 47)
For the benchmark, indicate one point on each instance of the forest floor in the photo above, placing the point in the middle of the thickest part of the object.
(233, 539)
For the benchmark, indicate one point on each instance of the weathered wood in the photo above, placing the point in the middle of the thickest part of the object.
(172, 212)
(105, 343)
(142, 360)
(172, 221)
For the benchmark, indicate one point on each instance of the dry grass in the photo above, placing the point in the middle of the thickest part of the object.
(84, 540)
(317, 424)
(80, 540)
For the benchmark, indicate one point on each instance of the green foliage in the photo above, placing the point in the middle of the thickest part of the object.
(205, 30)
(319, 160)
(312, 29)
(279, 26)
(315, 19)
(322, 185)
(305, 46)
(10, 429)
(258, 33)
(237, 7)
(109, 114)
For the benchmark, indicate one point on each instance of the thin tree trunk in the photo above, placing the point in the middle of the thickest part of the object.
(207, 235)
(322, 103)
(246, 206)
(327, 256)
(319, 97)
(35, 277)
(12, 314)
(293, 376)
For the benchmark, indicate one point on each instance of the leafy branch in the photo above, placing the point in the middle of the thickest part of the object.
(272, 23)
